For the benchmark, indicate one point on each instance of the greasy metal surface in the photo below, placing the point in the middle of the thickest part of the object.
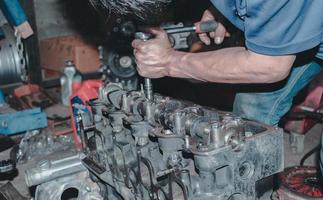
(48, 170)
(170, 149)
(75, 186)
(11, 70)
(39, 144)
(32, 44)
(163, 148)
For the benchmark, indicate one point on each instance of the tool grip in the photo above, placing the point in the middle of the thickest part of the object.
(207, 26)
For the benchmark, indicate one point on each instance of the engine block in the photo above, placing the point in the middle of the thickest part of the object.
(161, 148)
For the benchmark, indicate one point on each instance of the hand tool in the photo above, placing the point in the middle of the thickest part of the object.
(200, 27)
(148, 85)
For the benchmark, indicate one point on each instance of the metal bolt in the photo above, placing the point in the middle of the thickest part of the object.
(187, 142)
(215, 135)
(178, 123)
(148, 89)
(124, 102)
(125, 61)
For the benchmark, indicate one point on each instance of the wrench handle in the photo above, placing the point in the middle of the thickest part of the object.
(205, 27)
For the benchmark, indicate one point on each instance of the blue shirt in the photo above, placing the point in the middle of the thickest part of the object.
(277, 27)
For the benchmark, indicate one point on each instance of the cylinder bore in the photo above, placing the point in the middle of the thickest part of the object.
(70, 193)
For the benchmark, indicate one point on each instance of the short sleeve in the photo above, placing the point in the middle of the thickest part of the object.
(282, 27)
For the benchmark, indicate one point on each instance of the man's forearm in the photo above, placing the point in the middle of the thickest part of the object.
(230, 65)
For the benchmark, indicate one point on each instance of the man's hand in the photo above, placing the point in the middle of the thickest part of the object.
(217, 35)
(154, 56)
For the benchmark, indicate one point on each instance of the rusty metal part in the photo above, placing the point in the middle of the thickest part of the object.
(299, 183)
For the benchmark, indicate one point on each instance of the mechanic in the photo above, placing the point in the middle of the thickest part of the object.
(276, 32)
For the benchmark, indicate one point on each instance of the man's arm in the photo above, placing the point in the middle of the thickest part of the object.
(156, 58)
(230, 65)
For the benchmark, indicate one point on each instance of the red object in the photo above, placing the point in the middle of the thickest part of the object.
(86, 90)
(26, 90)
(298, 183)
(313, 100)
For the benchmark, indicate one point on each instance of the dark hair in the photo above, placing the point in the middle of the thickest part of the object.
(142, 9)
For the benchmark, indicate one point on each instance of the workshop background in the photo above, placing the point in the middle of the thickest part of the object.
(74, 50)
